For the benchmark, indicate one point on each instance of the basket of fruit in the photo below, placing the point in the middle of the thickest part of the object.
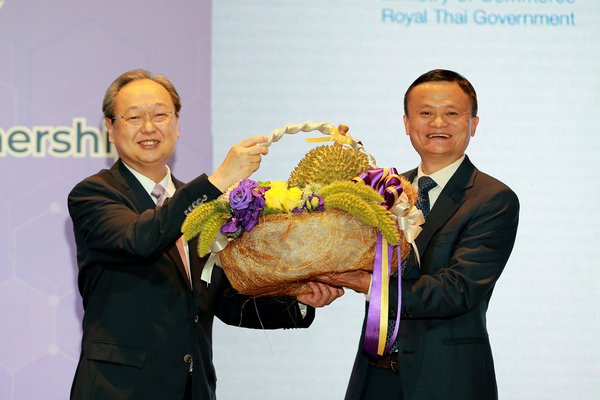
(271, 238)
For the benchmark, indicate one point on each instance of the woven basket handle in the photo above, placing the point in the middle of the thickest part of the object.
(339, 135)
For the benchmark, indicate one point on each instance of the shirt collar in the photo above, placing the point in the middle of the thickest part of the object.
(149, 184)
(442, 176)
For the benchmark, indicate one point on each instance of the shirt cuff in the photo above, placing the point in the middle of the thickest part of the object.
(303, 309)
(368, 295)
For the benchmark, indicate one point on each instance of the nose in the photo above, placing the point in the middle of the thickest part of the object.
(148, 125)
(438, 120)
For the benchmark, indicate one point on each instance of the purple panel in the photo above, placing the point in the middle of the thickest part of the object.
(5, 383)
(52, 378)
(68, 333)
(27, 330)
(8, 103)
(5, 250)
(44, 219)
(64, 79)
(57, 58)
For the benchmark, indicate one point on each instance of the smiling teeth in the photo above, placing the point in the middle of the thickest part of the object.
(149, 142)
(435, 135)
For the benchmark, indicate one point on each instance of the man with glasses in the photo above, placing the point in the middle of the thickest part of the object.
(147, 328)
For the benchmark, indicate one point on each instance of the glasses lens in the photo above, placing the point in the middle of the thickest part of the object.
(134, 119)
(137, 118)
(160, 116)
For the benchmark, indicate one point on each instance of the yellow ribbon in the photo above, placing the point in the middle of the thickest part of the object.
(383, 316)
(335, 135)
(338, 137)
(319, 139)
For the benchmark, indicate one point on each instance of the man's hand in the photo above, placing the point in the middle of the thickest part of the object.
(359, 281)
(240, 162)
(321, 295)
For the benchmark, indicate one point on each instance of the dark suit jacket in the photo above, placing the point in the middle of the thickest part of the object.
(444, 350)
(143, 325)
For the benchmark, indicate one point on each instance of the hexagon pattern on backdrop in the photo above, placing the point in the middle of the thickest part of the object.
(57, 60)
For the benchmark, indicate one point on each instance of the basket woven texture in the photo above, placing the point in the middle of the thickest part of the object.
(285, 251)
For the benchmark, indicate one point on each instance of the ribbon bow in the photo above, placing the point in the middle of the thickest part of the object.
(410, 219)
(385, 181)
(219, 244)
(388, 184)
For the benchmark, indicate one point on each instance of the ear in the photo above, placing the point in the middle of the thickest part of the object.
(109, 127)
(474, 123)
(405, 119)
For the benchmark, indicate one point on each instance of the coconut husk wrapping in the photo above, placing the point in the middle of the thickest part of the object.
(285, 251)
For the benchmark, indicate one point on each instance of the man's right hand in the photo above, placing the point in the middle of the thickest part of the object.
(240, 162)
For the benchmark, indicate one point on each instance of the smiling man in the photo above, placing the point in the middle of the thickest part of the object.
(147, 327)
(143, 125)
(442, 349)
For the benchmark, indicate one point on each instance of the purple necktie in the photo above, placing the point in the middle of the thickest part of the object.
(160, 194)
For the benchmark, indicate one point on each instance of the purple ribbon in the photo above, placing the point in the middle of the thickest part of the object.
(386, 182)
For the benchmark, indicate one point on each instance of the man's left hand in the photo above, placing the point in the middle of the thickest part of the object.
(322, 294)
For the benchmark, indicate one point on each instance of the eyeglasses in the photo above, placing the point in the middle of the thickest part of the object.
(136, 119)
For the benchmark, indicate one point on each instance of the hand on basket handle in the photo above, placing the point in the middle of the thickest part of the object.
(240, 162)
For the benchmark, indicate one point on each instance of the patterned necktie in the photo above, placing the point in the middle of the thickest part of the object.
(160, 194)
(425, 185)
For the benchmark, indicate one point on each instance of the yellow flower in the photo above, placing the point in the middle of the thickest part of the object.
(293, 199)
(273, 198)
(282, 198)
(280, 185)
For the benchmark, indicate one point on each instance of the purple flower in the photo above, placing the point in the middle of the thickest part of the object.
(259, 191)
(229, 226)
(242, 195)
(258, 203)
(250, 218)
(314, 202)
(246, 201)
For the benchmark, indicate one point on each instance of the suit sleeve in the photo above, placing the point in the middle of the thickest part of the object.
(463, 261)
(239, 310)
(109, 227)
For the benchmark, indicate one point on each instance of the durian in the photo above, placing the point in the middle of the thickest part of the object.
(325, 164)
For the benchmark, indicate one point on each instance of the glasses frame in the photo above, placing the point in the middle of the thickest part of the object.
(146, 116)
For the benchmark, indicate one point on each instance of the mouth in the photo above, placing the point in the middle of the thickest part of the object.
(439, 136)
(149, 142)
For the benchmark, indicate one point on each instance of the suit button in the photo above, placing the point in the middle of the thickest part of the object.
(187, 358)
(196, 318)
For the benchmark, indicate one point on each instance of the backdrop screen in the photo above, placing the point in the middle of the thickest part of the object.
(535, 67)
(247, 67)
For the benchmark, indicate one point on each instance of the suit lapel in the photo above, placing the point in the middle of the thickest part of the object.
(446, 204)
(141, 202)
(130, 185)
(174, 252)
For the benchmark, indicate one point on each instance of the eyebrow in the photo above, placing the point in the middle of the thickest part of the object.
(153, 106)
(443, 106)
